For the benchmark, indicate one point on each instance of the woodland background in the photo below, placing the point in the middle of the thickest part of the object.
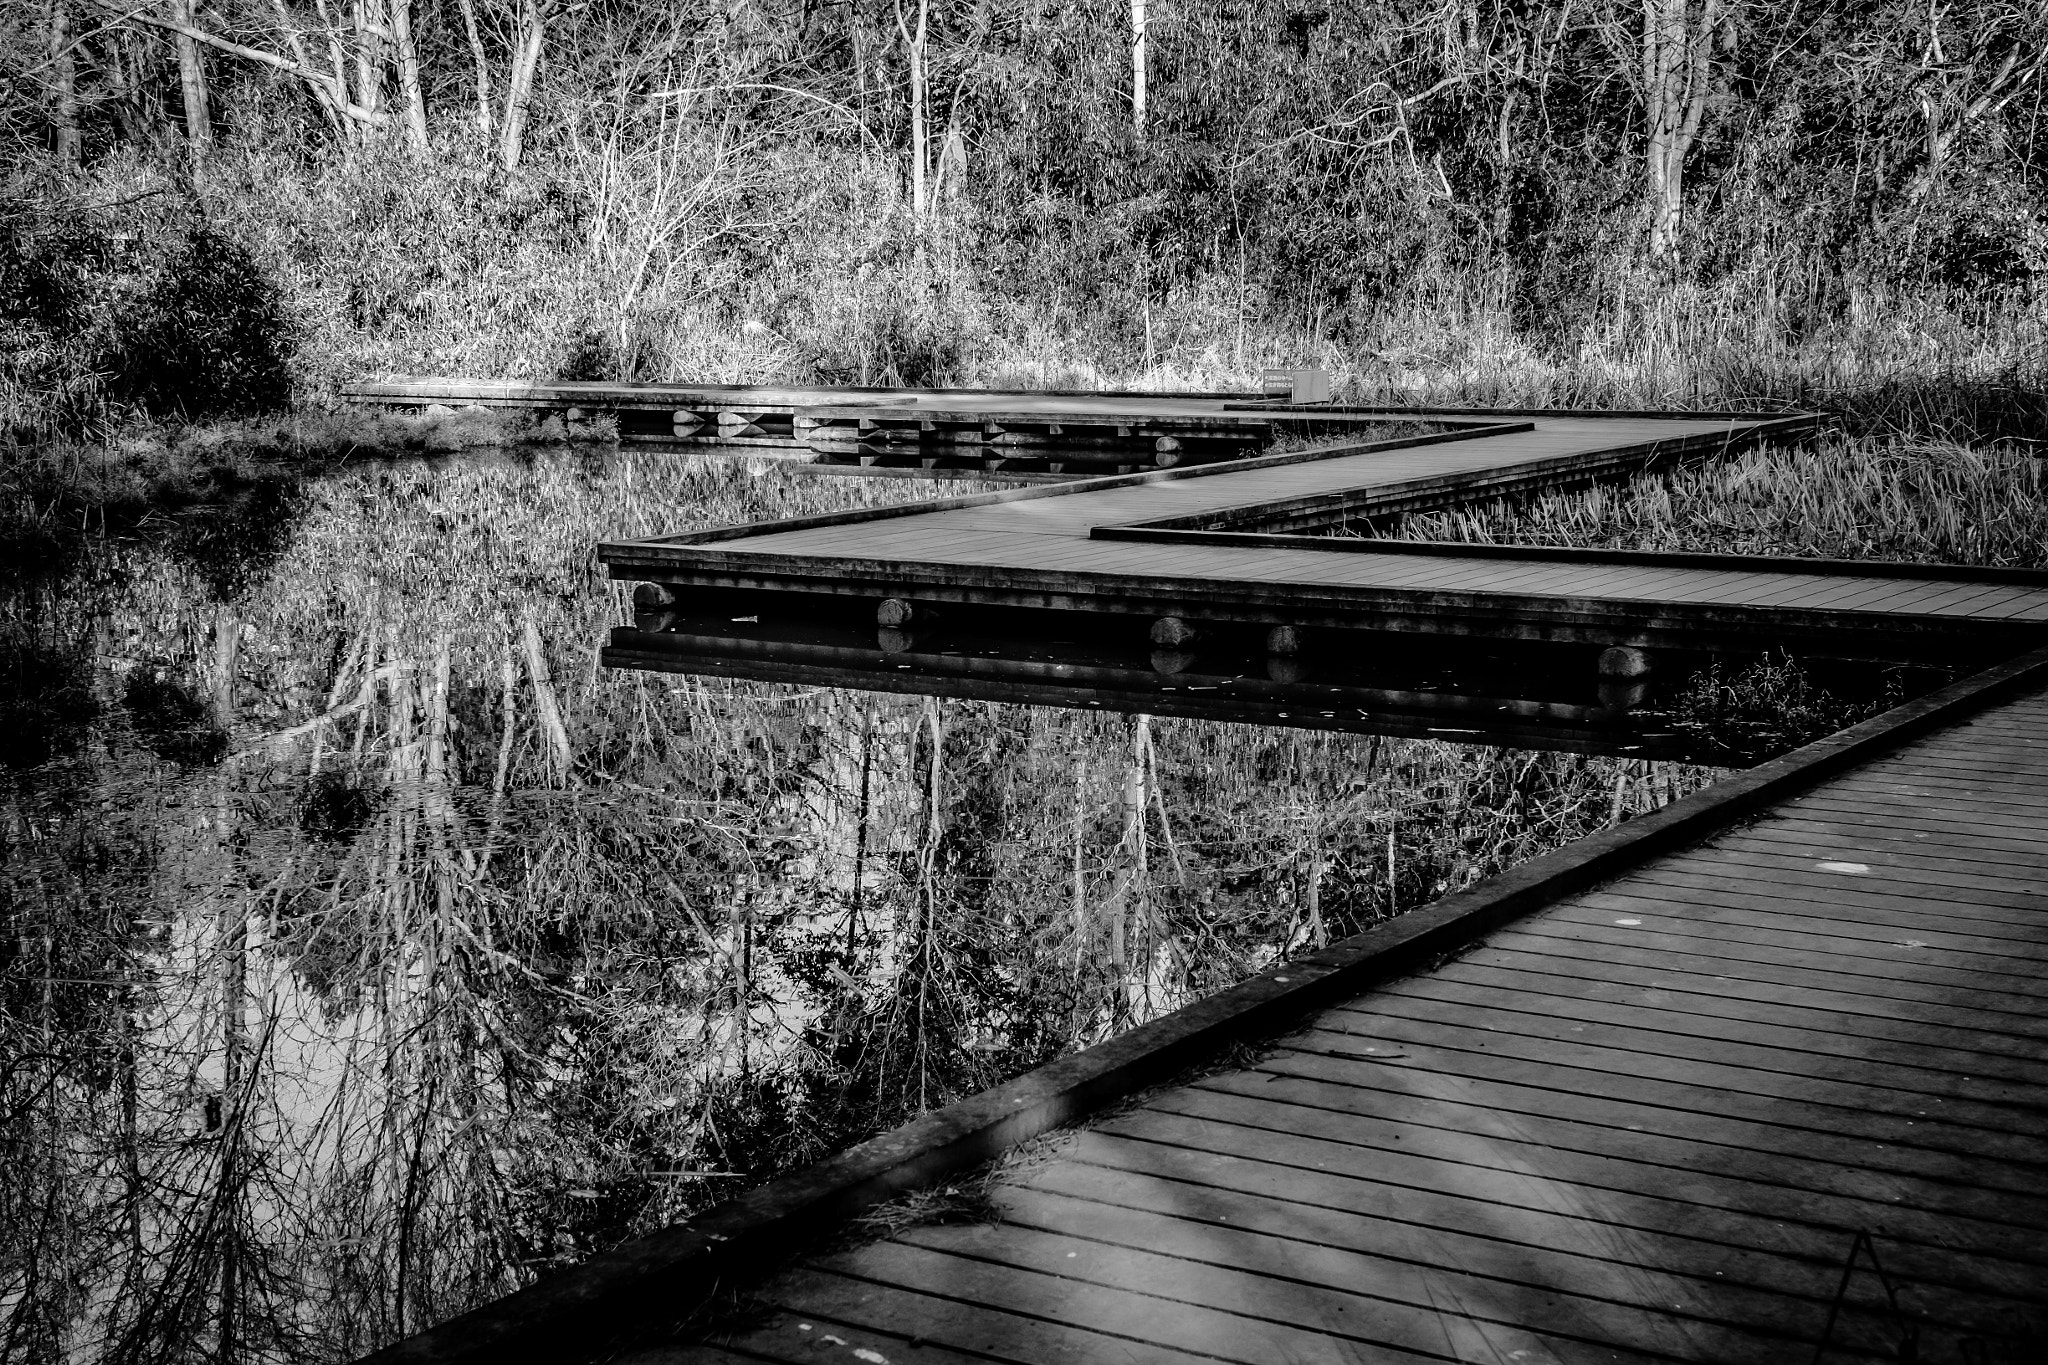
(1681, 197)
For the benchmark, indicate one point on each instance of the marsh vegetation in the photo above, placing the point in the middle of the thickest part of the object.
(1893, 499)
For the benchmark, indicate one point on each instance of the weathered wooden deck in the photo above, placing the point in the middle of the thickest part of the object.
(1646, 1123)
(1162, 544)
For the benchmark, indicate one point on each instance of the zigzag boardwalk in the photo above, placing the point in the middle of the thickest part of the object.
(1199, 544)
(1645, 1123)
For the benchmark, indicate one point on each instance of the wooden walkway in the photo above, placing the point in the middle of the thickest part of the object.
(1166, 544)
(1645, 1124)
(993, 432)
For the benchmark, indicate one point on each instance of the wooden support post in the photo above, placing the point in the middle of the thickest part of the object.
(898, 611)
(1283, 640)
(1623, 694)
(1624, 661)
(1171, 632)
(1285, 668)
(653, 596)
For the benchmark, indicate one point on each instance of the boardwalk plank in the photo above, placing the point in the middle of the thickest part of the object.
(1545, 1253)
(1911, 979)
(2005, 1126)
(1989, 1011)
(1581, 1187)
(1803, 881)
(1345, 1112)
(1305, 1280)
(1261, 1311)
(1538, 1217)
(961, 1287)
(1447, 1076)
(1872, 932)
(1725, 883)
(1919, 1061)
(1716, 997)
(1010, 1327)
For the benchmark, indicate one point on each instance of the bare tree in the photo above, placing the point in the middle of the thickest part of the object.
(1679, 38)
(63, 83)
(409, 93)
(914, 52)
(484, 121)
(519, 84)
(191, 73)
(1138, 68)
(329, 87)
(1971, 67)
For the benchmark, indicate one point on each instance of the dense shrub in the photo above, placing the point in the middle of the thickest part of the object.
(209, 336)
(48, 323)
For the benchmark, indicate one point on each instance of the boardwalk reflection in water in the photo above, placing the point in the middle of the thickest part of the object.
(1525, 695)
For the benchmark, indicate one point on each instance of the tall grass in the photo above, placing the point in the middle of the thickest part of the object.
(1919, 501)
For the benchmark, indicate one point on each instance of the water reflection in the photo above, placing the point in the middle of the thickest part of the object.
(369, 949)
(1534, 698)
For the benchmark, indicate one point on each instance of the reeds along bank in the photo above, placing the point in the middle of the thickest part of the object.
(1896, 498)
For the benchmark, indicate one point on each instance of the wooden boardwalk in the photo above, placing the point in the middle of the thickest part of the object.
(1163, 544)
(1647, 1123)
(987, 430)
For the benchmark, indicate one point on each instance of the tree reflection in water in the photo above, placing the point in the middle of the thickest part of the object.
(369, 951)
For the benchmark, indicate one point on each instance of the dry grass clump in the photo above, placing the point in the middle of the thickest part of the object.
(1923, 501)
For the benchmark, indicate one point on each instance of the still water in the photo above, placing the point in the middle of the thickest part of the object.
(370, 948)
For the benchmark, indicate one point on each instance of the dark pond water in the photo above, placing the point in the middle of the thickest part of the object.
(371, 948)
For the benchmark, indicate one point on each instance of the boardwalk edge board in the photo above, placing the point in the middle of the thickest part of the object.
(1162, 533)
(1287, 515)
(657, 1281)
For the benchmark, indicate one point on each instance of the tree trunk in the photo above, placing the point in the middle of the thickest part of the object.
(191, 78)
(484, 122)
(519, 86)
(1678, 39)
(409, 76)
(914, 52)
(369, 22)
(63, 88)
(1138, 68)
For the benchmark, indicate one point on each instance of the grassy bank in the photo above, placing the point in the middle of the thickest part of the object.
(302, 277)
(1919, 501)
